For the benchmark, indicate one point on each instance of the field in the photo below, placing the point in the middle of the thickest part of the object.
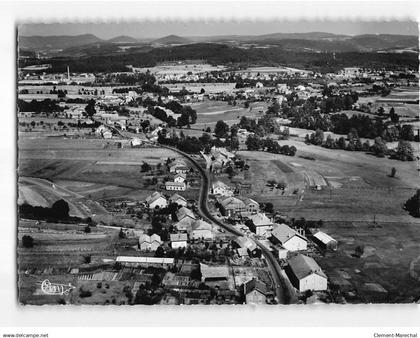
(83, 172)
(360, 205)
(209, 112)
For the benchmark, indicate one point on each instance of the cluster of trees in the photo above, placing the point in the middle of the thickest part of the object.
(254, 142)
(47, 106)
(59, 211)
(404, 151)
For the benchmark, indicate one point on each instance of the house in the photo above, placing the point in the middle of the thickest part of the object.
(251, 206)
(178, 166)
(156, 200)
(325, 241)
(220, 188)
(201, 230)
(150, 243)
(243, 244)
(305, 274)
(180, 177)
(214, 273)
(231, 205)
(178, 199)
(288, 238)
(262, 224)
(256, 292)
(178, 240)
(177, 186)
(185, 224)
(184, 212)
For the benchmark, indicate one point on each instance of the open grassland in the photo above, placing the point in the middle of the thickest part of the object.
(354, 186)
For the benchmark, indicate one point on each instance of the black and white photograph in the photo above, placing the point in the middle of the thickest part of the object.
(218, 163)
(245, 163)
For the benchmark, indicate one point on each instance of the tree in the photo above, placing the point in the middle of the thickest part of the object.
(407, 132)
(221, 129)
(379, 147)
(196, 274)
(60, 209)
(145, 167)
(404, 151)
(87, 229)
(90, 108)
(159, 252)
(412, 205)
(27, 241)
(393, 172)
(394, 117)
(317, 138)
(121, 234)
(253, 142)
(268, 207)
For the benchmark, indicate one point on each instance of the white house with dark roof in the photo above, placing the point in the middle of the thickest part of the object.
(156, 200)
(289, 238)
(305, 274)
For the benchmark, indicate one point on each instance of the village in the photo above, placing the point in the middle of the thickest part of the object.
(189, 183)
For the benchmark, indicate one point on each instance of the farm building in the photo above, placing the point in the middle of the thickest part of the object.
(325, 241)
(156, 200)
(175, 186)
(144, 261)
(220, 188)
(214, 273)
(178, 240)
(150, 243)
(262, 224)
(256, 292)
(202, 230)
(288, 238)
(178, 199)
(305, 274)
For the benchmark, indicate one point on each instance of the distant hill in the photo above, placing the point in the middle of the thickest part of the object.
(172, 40)
(56, 42)
(123, 39)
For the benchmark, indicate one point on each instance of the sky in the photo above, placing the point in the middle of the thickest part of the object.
(157, 29)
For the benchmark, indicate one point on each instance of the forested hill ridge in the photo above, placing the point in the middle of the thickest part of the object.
(327, 41)
(218, 53)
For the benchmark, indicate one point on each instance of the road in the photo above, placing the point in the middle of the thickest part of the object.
(283, 293)
(283, 289)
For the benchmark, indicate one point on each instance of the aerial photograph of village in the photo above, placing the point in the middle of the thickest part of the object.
(177, 164)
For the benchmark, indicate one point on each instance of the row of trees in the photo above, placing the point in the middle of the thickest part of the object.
(254, 142)
(403, 152)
